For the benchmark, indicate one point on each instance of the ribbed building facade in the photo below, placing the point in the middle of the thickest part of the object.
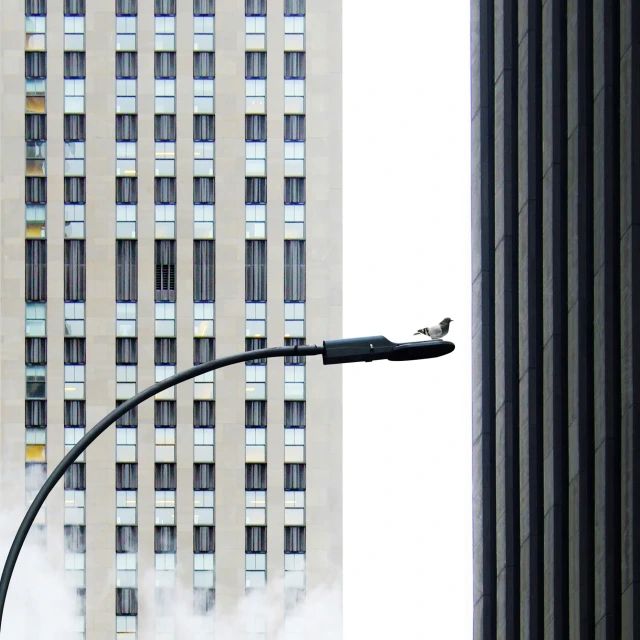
(556, 318)
(171, 192)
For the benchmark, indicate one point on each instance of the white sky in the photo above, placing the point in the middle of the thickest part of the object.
(407, 441)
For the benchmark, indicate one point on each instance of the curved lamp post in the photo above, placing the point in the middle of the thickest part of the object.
(332, 351)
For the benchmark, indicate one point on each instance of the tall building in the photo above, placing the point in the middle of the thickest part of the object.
(556, 318)
(171, 192)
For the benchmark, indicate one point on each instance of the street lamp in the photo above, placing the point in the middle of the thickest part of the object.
(333, 352)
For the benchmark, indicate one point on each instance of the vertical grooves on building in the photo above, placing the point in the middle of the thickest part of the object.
(484, 331)
(630, 315)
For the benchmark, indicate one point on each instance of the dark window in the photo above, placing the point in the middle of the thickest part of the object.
(165, 477)
(165, 128)
(204, 7)
(295, 191)
(295, 7)
(204, 191)
(127, 128)
(251, 344)
(35, 7)
(204, 127)
(255, 7)
(204, 64)
(295, 64)
(75, 477)
(255, 190)
(36, 474)
(165, 271)
(204, 273)
(294, 270)
(295, 540)
(75, 413)
(35, 413)
(126, 190)
(75, 64)
(203, 600)
(126, 351)
(75, 191)
(203, 540)
(292, 342)
(126, 64)
(295, 477)
(35, 127)
(126, 476)
(75, 538)
(75, 127)
(75, 351)
(295, 414)
(204, 477)
(35, 190)
(165, 540)
(255, 128)
(165, 64)
(165, 7)
(256, 270)
(74, 270)
(255, 413)
(126, 602)
(255, 477)
(204, 413)
(165, 191)
(165, 351)
(164, 413)
(74, 7)
(295, 128)
(35, 351)
(255, 539)
(255, 64)
(126, 539)
(35, 64)
(129, 419)
(204, 350)
(126, 270)
(35, 270)
(126, 7)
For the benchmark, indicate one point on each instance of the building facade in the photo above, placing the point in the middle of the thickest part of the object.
(171, 192)
(556, 318)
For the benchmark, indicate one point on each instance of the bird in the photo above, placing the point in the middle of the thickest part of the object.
(438, 331)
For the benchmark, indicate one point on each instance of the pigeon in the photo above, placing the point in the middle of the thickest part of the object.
(438, 331)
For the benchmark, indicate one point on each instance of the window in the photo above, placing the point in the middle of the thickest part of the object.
(203, 95)
(74, 270)
(165, 320)
(203, 158)
(294, 159)
(204, 64)
(35, 95)
(294, 33)
(255, 377)
(165, 101)
(294, 503)
(74, 221)
(294, 221)
(165, 263)
(73, 435)
(75, 63)
(126, 627)
(203, 507)
(294, 566)
(126, 159)
(36, 29)
(203, 576)
(294, 320)
(74, 382)
(255, 221)
(203, 386)
(256, 29)
(74, 95)
(126, 376)
(165, 39)
(126, 215)
(256, 96)
(255, 65)
(255, 270)
(36, 155)
(256, 570)
(35, 442)
(126, 279)
(294, 445)
(203, 33)
(36, 382)
(126, 502)
(74, 506)
(294, 271)
(35, 64)
(126, 29)
(256, 320)
(126, 190)
(255, 508)
(126, 438)
(256, 163)
(165, 165)
(126, 95)
(74, 320)
(294, 96)
(163, 372)
(294, 7)
(203, 315)
(165, 508)
(74, 566)
(35, 271)
(35, 219)
(74, 158)
(36, 320)
(204, 270)
(203, 445)
(74, 33)
(165, 445)
(203, 221)
(294, 375)
(126, 573)
(255, 445)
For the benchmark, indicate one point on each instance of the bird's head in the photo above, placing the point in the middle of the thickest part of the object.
(447, 321)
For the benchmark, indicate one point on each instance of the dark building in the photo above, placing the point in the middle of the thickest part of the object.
(556, 318)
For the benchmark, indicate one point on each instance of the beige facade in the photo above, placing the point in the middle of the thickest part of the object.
(323, 301)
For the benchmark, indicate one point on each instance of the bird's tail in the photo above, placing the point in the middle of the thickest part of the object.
(417, 333)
